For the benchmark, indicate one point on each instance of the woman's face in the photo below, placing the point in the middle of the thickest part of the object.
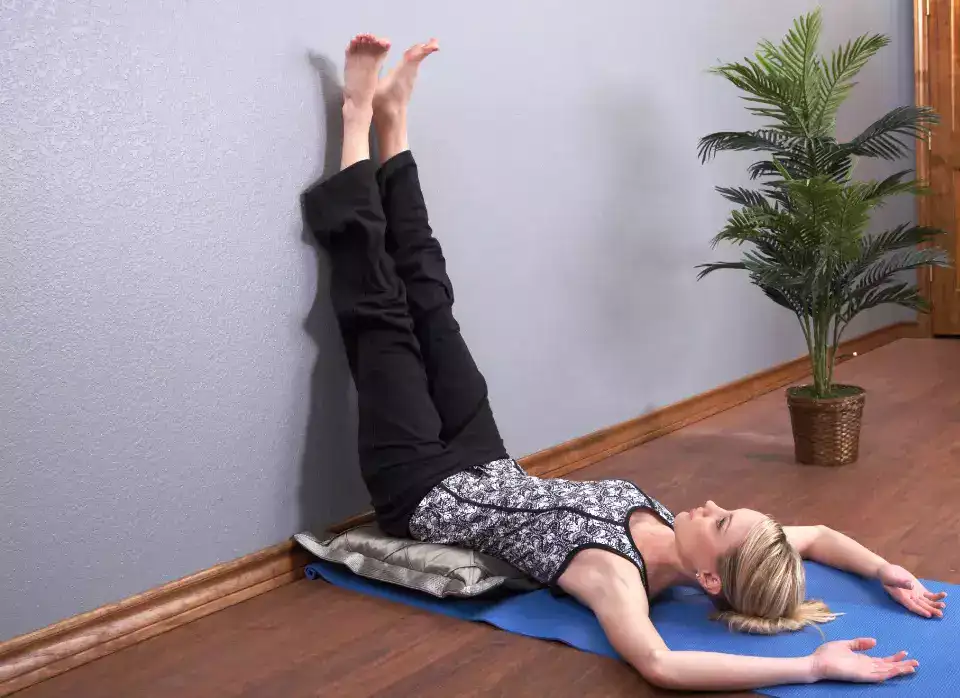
(706, 533)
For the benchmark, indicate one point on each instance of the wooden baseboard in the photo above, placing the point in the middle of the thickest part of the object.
(31, 658)
(40, 655)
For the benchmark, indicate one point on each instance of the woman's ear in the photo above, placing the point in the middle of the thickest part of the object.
(710, 582)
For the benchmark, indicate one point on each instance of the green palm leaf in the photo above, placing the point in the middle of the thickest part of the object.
(716, 266)
(878, 192)
(901, 293)
(795, 60)
(903, 236)
(744, 197)
(783, 298)
(874, 248)
(764, 139)
(763, 168)
(836, 79)
(830, 159)
(884, 137)
(884, 269)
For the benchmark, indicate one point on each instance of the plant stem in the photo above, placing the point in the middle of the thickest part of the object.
(837, 334)
(809, 339)
(813, 358)
(820, 363)
(815, 355)
(805, 326)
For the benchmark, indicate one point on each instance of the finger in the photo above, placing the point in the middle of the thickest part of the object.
(887, 671)
(935, 597)
(914, 605)
(900, 670)
(932, 607)
(862, 643)
(908, 666)
(899, 659)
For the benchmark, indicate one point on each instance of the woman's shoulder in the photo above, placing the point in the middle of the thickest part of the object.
(597, 572)
(646, 501)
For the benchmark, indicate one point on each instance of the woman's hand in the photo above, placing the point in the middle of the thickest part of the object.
(909, 592)
(840, 661)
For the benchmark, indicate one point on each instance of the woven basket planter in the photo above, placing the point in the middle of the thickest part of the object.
(827, 431)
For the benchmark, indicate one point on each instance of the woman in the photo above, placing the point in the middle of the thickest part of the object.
(437, 470)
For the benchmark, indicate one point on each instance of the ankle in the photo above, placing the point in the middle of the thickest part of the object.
(390, 115)
(357, 113)
(392, 150)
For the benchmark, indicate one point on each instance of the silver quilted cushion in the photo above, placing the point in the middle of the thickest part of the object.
(439, 570)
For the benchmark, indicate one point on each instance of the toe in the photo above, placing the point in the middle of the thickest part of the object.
(418, 53)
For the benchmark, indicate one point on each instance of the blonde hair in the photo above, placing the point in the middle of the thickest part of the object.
(763, 585)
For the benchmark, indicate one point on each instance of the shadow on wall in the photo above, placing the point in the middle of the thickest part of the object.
(330, 485)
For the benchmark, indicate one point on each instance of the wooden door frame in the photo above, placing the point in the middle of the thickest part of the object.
(921, 47)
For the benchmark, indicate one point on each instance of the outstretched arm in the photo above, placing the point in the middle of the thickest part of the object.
(832, 548)
(829, 547)
(620, 604)
(623, 614)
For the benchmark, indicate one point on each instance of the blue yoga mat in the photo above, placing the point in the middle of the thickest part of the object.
(681, 617)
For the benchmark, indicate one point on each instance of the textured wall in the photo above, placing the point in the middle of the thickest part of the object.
(173, 392)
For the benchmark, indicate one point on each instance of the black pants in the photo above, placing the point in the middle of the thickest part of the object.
(423, 408)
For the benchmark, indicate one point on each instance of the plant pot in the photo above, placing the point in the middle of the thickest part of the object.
(826, 431)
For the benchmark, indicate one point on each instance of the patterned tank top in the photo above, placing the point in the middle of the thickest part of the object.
(535, 524)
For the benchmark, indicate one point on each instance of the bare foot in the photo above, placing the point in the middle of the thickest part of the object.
(364, 56)
(361, 72)
(393, 92)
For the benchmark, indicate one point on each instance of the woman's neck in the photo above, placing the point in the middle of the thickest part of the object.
(658, 544)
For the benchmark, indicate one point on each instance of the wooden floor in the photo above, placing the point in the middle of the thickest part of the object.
(311, 639)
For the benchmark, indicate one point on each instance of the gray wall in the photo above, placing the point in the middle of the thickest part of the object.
(173, 392)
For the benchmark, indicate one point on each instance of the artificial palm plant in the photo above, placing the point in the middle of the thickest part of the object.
(806, 222)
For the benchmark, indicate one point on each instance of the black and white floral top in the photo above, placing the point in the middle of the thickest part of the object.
(535, 524)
